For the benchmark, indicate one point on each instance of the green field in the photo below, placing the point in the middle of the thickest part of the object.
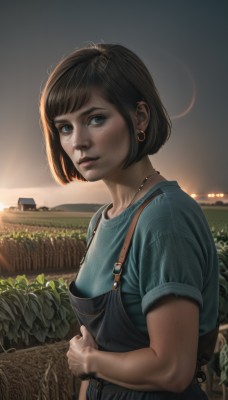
(57, 219)
(217, 218)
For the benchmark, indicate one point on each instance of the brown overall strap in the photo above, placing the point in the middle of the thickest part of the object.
(118, 266)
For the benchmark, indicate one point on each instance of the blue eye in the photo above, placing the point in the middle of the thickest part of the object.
(97, 120)
(65, 129)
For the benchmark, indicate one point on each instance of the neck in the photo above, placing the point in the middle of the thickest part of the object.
(123, 188)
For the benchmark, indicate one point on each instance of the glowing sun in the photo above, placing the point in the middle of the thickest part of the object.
(2, 206)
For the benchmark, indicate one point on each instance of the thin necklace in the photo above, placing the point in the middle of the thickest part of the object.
(145, 180)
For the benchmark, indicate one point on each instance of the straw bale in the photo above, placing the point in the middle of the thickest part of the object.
(38, 373)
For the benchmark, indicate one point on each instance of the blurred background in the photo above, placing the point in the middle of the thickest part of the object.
(181, 42)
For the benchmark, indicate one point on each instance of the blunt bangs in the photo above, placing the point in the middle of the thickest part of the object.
(69, 93)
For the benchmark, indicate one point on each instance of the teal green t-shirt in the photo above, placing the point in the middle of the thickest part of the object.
(172, 252)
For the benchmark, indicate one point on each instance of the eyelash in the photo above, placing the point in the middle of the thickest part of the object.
(101, 120)
(60, 129)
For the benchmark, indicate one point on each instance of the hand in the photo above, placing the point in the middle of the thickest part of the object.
(77, 351)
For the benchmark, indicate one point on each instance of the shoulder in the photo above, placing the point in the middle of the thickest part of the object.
(172, 210)
(172, 198)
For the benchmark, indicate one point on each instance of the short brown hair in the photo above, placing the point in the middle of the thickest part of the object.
(122, 79)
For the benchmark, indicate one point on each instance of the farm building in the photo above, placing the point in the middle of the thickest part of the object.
(26, 204)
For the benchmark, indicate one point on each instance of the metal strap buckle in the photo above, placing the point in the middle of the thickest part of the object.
(117, 270)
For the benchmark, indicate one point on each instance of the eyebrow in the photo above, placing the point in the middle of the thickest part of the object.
(84, 113)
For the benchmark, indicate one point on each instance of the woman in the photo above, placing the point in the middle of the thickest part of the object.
(141, 313)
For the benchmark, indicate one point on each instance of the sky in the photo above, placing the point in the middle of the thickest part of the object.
(183, 43)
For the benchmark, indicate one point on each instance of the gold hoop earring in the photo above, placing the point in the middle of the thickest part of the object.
(141, 136)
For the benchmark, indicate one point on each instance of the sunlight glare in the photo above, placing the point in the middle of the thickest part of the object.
(2, 206)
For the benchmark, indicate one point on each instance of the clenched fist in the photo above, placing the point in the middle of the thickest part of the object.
(78, 349)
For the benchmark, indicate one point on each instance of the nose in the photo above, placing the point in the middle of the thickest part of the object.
(80, 139)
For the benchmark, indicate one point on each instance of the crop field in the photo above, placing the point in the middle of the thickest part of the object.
(33, 242)
(60, 219)
(217, 218)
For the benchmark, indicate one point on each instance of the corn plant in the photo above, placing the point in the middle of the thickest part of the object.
(36, 250)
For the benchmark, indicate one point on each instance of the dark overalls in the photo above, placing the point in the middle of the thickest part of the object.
(107, 321)
(105, 318)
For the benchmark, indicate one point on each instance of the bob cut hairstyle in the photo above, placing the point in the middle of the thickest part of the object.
(122, 79)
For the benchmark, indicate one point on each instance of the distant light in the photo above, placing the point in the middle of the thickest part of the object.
(194, 195)
(215, 195)
(2, 206)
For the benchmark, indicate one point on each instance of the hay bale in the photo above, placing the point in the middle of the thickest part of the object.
(38, 373)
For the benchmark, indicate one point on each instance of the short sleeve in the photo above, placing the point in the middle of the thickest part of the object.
(172, 264)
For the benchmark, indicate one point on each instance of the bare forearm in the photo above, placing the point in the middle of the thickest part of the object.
(168, 364)
(83, 389)
(137, 370)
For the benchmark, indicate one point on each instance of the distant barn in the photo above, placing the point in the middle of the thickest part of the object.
(26, 204)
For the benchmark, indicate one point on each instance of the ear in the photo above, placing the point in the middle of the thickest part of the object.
(142, 115)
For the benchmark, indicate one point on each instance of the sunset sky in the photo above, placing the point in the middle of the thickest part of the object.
(184, 44)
